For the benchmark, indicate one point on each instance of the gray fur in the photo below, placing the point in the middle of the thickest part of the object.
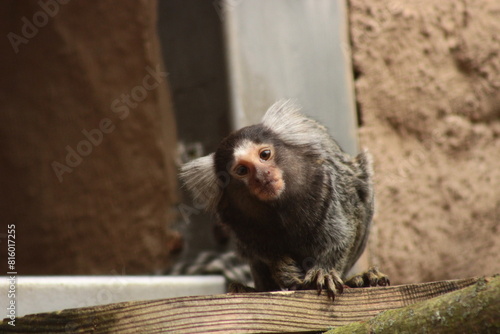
(285, 119)
(316, 230)
(200, 180)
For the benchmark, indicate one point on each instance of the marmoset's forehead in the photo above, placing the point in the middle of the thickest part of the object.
(247, 147)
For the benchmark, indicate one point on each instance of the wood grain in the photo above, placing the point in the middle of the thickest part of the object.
(297, 311)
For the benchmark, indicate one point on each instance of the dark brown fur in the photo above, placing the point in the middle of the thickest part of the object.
(313, 233)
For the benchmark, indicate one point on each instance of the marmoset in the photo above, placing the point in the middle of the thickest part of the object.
(299, 207)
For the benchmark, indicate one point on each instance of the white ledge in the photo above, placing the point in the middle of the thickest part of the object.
(36, 294)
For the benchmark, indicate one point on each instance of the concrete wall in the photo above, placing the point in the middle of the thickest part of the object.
(87, 137)
(428, 88)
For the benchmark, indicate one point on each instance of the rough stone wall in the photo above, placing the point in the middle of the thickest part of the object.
(86, 137)
(427, 79)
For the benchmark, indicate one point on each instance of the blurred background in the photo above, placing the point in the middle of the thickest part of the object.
(100, 102)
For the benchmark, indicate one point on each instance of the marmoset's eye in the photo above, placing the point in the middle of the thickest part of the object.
(241, 170)
(265, 154)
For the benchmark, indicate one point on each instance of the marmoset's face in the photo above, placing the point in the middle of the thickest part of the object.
(254, 164)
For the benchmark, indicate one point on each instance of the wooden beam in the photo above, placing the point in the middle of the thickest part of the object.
(294, 311)
(474, 309)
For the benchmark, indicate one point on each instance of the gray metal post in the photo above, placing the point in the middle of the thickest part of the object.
(295, 49)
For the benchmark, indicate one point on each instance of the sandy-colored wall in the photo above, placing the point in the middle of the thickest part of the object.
(428, 88)
(87, 137)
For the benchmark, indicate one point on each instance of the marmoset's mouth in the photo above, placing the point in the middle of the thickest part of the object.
(269, 189)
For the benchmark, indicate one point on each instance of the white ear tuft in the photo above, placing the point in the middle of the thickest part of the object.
(200, 180)
(365, 163)
(282, 111)
(284, 118)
